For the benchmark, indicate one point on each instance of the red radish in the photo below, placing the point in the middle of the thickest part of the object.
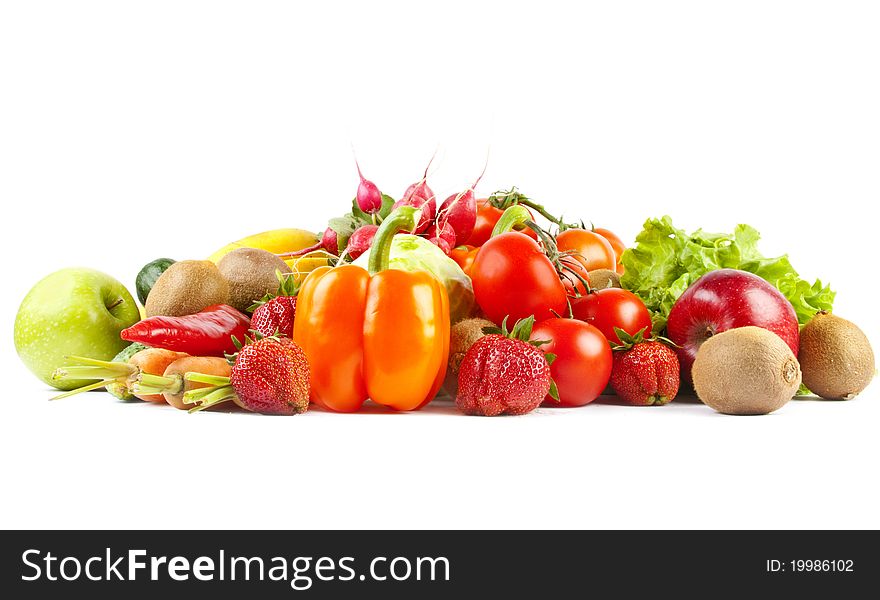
(420, 196)
(428, 208)
(361, 240)
(442, 237)
(460, 211)
(369, 198)
(420, 188)
(329, 242)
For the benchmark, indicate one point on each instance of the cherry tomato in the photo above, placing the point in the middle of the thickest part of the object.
(589, 248)
(610, 308)
(464, 256)
(616, 243)
(583, 360)
(513, 278)
(487, 216)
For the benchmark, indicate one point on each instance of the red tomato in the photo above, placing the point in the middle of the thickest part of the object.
(583, 360)
(610, 308)
(590, 249)
(464, 256)
(616, 243)
(487, 216)
(513, 278)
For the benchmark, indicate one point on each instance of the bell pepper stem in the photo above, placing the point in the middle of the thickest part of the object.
(512, 217)
(403, 218)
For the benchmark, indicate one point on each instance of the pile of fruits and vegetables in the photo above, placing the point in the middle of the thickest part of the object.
(400, 300)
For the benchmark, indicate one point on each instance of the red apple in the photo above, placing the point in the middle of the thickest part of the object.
(727, 299)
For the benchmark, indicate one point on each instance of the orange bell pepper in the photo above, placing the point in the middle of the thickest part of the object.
(381, 334)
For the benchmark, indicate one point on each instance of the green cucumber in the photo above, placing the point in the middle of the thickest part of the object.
(148, 275)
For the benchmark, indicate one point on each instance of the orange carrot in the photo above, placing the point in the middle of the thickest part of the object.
(118, 377)
(172, 385)
(154, 361)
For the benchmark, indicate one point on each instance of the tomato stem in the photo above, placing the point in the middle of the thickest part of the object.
(517, 215)
(504, 199)
(512, 217)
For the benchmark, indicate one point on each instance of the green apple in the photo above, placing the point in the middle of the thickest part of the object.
(73, 311)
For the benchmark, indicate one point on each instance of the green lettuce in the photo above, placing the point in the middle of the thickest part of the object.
(666, 260)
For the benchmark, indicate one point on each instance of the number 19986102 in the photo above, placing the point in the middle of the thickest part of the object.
(811, 565)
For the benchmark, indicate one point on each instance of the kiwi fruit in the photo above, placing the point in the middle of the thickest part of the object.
(604, 278)
(147, 276)
(251, 275)
(836, 357)
(186, 288)
(746, 371)
(462, 337)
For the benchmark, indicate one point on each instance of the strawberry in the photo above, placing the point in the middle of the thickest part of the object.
(504, 373)
(644, 372)
(273, 314)
(269, 375)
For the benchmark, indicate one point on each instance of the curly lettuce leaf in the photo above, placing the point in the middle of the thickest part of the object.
(666, 260)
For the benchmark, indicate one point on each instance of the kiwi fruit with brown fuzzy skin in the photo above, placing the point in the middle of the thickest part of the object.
(187, 287)
(746, 371)
(251, 274)
(462, 337)
(836, 357)
(604, 278)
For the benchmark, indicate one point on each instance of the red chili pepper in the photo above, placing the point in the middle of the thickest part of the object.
(207, 333)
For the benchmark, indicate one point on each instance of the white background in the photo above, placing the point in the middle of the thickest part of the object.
(130, 131)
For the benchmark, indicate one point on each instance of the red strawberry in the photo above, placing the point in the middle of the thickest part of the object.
(269, 376)
(275, 317)
(644, 372)
(502, 373)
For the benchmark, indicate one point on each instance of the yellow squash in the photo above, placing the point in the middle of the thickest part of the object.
(279, 241)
